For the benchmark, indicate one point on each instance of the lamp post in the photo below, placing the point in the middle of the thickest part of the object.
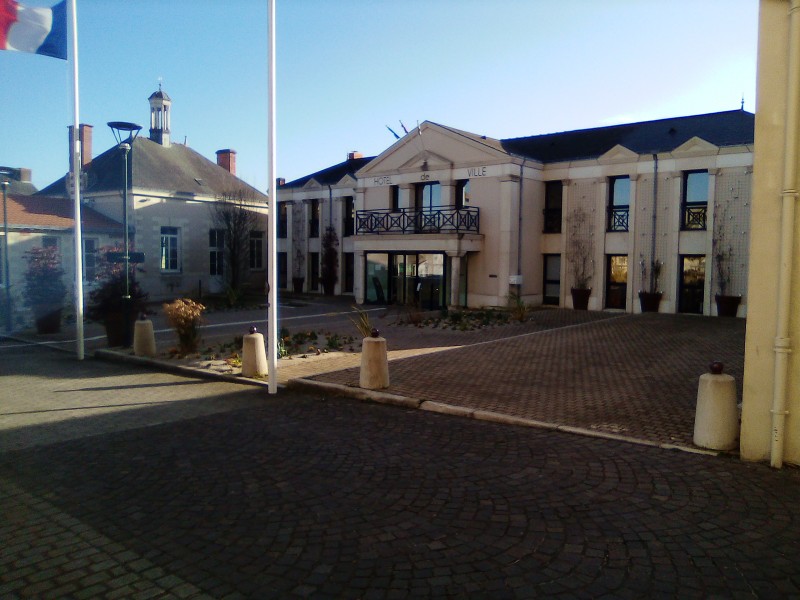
(7, 275)
(125, 133)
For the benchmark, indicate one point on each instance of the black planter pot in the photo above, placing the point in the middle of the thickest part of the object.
(119, 329)
(727, 306)
(48, 318)
(649, 301)
(297, 284)
(580, 298)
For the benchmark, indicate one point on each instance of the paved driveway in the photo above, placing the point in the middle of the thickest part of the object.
(303, 497)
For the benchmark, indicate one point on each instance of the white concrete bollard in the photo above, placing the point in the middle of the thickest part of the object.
(254, 356)
(374, 363)
(144, 339)
(716, 423)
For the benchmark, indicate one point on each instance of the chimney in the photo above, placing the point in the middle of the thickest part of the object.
(85, 141)
(227, 160)
(280, 181)
(354, 155)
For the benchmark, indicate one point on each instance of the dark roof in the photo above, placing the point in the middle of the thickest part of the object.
(332, 174)
(173, 168)
(731, 128)
(46, 212)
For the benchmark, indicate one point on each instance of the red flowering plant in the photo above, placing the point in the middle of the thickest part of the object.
(44, 284)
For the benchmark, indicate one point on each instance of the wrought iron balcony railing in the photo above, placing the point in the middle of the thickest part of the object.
(408, 220)
(694, 217)
(618, 218)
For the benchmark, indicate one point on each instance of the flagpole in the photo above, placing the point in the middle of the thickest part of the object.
(272, 283)
(75, 169)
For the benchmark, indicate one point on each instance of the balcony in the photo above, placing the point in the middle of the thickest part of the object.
(407, 220)
(618, 218)
(694, 217)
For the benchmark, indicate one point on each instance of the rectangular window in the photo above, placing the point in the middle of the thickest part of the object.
(313, 220)
(283, 220)
(552, 279)
(216, 251)
(89, 259)
(256, 250)
(553, 199)
(691, 287)
(313, 270)
(395, 198)
(616, 281)
(349, 216)
(619, 202)
(282, 270)
(349, 272)
(462, 194)
(694, 200)
(170, 250)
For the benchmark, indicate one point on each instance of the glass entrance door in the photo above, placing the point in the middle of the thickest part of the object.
(616, 281)
(692, 284)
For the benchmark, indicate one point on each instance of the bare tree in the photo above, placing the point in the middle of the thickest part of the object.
(231, 215)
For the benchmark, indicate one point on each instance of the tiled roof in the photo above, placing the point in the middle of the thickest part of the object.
(731, 128)
(174, 168)
(332, 174)
(55, 213)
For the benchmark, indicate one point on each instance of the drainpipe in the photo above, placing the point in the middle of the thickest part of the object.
(655, 219)
(519, 226)
(783, 343)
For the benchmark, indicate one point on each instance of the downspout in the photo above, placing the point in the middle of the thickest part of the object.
(519, 225)
(655, 219)
(783, 343)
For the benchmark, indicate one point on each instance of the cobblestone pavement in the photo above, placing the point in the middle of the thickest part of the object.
(307, 497)
(629, 375)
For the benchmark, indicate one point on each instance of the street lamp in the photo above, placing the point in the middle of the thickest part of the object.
(125, 133)
(7, 278)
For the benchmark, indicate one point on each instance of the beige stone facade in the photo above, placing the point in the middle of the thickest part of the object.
(446, 218)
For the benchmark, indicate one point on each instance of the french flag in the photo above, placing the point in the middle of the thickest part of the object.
(36, 30)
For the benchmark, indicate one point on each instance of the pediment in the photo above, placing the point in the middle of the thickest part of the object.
(312, 184)
(430, 147)
(618, 154)
(347, 181)
(695, 146)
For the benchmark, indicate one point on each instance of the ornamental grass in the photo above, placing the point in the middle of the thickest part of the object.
(185, 316)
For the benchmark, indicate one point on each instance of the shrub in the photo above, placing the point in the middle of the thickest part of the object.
(185, 316)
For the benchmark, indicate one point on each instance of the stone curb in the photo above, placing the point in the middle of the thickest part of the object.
(160, 365)
(480, 415)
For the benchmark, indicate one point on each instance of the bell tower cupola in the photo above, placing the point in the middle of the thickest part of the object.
(160, 113)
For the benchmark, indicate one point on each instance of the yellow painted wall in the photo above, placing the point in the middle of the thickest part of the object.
(768, 183)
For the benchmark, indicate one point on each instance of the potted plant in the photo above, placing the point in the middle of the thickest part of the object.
(329, 273)
(722, 255)
(579, 255)
(727, 305)
(44, 287)
(107, 302)
(650, 299)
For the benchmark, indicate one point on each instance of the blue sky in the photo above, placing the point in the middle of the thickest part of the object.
(348, 68)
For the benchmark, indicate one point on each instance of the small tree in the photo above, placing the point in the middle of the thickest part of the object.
(329, 274)
(231, 215)
(580, 249)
